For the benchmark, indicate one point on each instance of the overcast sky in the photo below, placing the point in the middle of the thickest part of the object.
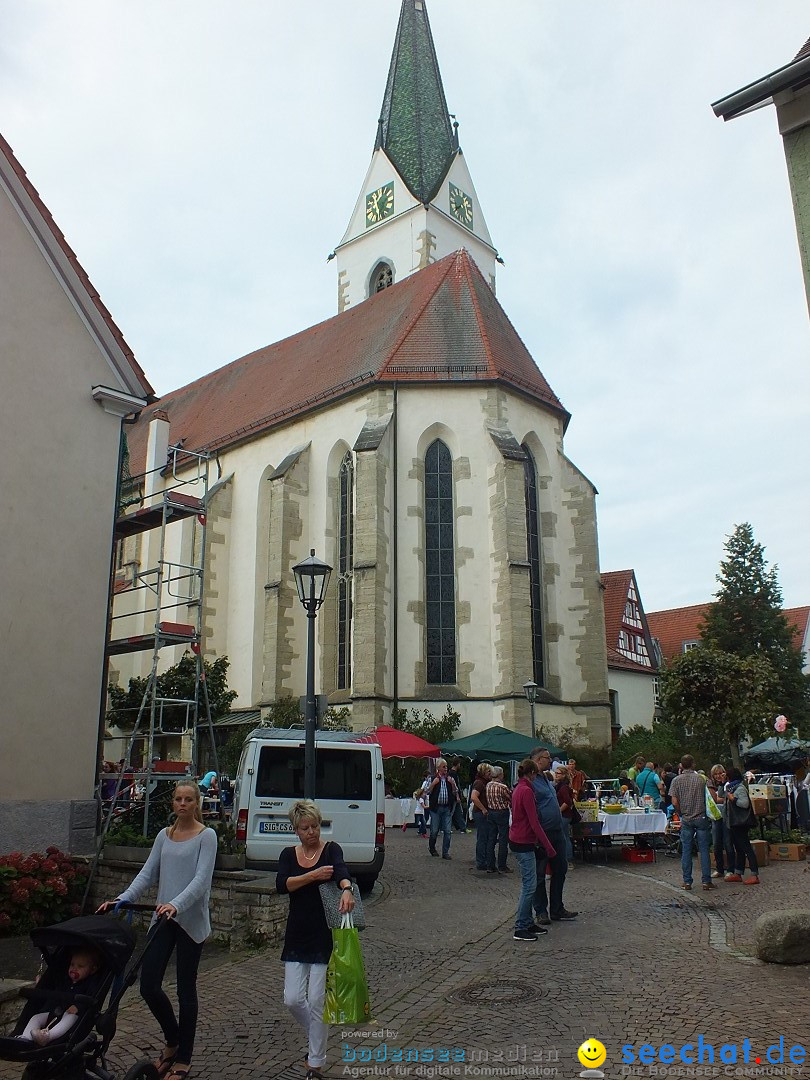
(203, 158)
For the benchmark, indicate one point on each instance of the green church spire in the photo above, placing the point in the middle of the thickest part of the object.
(414, 128)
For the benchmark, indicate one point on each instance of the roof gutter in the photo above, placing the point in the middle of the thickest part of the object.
(758, 94)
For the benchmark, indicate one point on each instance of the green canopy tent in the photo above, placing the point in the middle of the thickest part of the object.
(497, 744)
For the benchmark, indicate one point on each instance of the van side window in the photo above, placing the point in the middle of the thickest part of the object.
(339, 774)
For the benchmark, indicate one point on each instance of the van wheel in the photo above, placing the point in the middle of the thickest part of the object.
(365, 883)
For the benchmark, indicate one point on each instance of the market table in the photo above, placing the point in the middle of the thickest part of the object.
(633, 824)
(616, 827)
(399, 812)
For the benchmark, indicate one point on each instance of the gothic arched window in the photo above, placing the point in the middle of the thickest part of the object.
(382, 276)
(440, 576)
(345, 573)
(535, 567)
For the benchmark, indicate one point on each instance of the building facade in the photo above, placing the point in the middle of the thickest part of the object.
(413, 442)
(69, 379)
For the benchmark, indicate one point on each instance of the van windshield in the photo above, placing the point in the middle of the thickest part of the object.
(339, 774)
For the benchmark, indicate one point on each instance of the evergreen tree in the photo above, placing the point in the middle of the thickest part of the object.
(747, 620)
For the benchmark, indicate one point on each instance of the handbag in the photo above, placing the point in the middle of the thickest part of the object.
(713, 811)
(346, 998)
(331, 893)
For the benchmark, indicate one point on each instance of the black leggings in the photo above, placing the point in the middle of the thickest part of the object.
(742, 848)
(169, 936)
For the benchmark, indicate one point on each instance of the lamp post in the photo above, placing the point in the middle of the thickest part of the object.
(530, 690)
(311, 579)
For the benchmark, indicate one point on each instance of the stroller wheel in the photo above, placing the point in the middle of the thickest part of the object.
(142, 1070)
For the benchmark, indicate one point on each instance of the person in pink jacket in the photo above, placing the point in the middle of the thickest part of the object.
(525, 834)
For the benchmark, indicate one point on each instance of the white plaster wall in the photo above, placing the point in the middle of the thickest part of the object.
(397, 239)
(57, 480)
(636, 697)
(459, 414)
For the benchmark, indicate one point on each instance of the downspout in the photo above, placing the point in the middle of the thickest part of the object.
(394, 564)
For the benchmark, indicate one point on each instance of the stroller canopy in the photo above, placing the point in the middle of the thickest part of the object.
(111, 937)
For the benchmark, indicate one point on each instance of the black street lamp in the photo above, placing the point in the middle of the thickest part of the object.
(311, 579)
(530, 690)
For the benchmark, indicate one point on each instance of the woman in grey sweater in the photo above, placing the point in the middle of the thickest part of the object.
(181, 863)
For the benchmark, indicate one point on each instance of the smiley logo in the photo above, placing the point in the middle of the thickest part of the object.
(592, 1054)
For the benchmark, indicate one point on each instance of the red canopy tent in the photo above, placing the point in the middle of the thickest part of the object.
(401, 744)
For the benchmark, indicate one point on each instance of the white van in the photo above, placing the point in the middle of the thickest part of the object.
(349, 790)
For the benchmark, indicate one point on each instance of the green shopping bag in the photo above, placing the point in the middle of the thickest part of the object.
(346, 1000)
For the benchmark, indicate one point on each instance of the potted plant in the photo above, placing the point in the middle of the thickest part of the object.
(230, 852)
(126, 843)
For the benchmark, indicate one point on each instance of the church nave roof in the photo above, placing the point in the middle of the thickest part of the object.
(442, 324)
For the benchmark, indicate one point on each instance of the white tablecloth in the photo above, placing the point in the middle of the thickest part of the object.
(633, 824)
(399, 811)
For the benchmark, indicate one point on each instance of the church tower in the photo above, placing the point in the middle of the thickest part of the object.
(418, 202)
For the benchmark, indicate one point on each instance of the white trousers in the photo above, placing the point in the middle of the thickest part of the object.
(304, 990)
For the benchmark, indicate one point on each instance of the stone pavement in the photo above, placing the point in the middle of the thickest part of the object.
(644, 962)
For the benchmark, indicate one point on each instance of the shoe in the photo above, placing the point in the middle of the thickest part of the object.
(524, 935)
(447, 856)
(493, 871)
(733, 877)
(570, 866)
(687, 886)
(505, 870)
(708, 885)
(564, 916)
(542, 920)
(433, 852)
(753, 880)
(535, 929)
(717, 873)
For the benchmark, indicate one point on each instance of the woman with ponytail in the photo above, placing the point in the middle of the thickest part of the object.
(181, 864)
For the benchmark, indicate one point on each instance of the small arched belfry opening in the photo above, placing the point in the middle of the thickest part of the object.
(382, 276)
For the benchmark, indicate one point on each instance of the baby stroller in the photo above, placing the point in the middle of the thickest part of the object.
(81, 1053)
(672, 834)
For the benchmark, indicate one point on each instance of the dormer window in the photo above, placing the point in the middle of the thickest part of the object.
(381, 278)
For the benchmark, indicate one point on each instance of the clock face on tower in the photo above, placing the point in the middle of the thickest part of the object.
(461, 206)
(380, 204)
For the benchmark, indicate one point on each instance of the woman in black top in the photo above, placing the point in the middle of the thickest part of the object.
(308, 939)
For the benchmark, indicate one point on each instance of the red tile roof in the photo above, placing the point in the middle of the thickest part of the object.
(442, 324)
(798, 618)
(44, 214)
(616, 587)
(803, 51)
(677, 625)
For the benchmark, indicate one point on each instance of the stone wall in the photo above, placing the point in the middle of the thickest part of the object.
(245, 908)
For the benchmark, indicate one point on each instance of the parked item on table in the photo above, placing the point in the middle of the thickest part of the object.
(347, 998)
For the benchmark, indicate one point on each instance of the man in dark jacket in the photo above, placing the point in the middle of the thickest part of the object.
(551, 909)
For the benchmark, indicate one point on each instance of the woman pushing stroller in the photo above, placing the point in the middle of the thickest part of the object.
(181, 863)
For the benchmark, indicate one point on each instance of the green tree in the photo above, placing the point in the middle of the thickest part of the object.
(718, 697)
(666, 741)
(747, 620)
(178, 682)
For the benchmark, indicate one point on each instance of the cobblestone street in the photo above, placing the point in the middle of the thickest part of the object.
(644, 962)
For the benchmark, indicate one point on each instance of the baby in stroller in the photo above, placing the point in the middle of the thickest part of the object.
(84, 976)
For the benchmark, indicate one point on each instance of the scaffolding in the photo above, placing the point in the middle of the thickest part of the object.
(162, 592)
